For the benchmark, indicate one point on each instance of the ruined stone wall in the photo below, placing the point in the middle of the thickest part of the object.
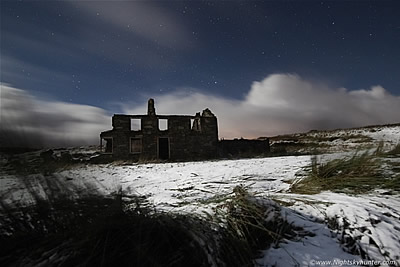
(179, 130)
(243, 148)
(185, 143)
(205, 142)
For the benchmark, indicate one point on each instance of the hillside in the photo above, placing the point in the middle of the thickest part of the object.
(339, 140)
(346, 224)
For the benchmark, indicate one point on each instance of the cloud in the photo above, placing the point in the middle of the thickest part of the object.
(281, 103)
(144, 19)
(284, 103)
(29, 121)
(20, 71)
(90, 39)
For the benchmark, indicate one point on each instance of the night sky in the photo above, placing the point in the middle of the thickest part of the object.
(113, 54)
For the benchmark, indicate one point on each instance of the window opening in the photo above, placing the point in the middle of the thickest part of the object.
(107, 147)
(196, 126)
(163, 124)
(136, 124)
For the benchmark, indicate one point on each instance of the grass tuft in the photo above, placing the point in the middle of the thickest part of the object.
(250, 224)
(395, 151)
(357, 174)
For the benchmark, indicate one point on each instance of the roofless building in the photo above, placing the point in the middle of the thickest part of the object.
(153, 136)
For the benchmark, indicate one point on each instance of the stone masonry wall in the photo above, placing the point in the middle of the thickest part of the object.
(185, 141)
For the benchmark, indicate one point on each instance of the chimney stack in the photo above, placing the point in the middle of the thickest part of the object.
(151, 111)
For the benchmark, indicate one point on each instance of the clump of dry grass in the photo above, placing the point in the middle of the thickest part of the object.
(357, 174)
(250, 224)
(395, 151)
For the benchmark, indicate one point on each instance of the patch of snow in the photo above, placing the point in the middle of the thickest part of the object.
(372, 220)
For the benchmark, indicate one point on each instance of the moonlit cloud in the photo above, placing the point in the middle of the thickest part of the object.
(281, 103)
(284, 103)
(146, 20)
(30, 121)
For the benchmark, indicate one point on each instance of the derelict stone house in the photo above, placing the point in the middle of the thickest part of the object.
(153, 136)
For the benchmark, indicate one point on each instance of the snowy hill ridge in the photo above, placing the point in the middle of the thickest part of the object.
(339, 140)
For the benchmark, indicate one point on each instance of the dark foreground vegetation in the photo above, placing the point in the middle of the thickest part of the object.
(95, 230)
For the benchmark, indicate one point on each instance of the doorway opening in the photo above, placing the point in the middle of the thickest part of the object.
(163, 148)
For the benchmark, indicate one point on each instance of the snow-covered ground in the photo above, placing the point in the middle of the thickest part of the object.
(371, 220)
(191, 187)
